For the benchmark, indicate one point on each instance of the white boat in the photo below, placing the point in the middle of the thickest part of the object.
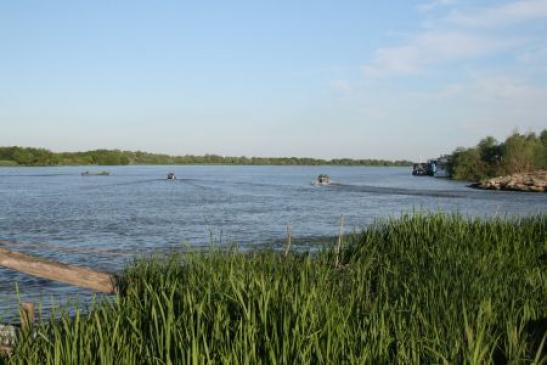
(322, 180)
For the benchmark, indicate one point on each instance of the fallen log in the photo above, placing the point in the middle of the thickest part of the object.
(68, 274)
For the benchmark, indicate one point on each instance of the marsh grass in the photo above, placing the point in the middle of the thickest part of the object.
(419, 289)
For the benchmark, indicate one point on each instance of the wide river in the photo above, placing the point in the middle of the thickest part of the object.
(105, 221)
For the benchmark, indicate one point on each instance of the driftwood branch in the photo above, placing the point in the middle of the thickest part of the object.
(68, 274)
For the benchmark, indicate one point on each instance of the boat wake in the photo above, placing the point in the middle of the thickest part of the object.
(420, 192)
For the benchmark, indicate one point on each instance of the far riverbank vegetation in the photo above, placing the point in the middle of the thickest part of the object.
(26, 156)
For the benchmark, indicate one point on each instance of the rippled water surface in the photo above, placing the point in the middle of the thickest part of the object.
(104, 221)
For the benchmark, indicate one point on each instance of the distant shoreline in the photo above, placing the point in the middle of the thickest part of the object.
(27, 156)
(205, 164)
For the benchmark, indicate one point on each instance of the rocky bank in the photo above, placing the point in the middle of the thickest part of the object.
(535, 181)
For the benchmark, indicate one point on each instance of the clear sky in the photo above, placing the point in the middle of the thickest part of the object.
(387, 79)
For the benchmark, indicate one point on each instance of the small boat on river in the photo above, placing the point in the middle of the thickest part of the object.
(171, 176)
(323, 180)
(97, 173)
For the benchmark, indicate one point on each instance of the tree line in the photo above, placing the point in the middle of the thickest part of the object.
(489, 158)
(26, 156)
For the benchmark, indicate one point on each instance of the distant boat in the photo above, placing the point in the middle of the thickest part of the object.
(437, 167)
(420, 169)
(171, 176)
(322, 180)
(98, 173)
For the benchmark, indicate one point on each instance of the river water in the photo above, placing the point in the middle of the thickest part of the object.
(105, 221)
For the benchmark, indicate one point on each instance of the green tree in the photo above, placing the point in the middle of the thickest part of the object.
(23, 156)
(490, 155)
(521, 153)
(543, 153)
(467, 164)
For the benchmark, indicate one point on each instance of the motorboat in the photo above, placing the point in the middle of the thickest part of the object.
(97, 173)
(322, 180)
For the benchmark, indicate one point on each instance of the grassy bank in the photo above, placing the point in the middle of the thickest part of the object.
(422, 289)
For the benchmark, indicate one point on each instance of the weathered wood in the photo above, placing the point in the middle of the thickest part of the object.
(27, 316)
(68, 274)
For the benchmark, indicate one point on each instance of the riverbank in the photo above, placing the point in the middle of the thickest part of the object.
(28, 156)
(535, 181)
(421, 289)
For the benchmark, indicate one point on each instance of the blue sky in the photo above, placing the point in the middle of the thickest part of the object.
(362, 79)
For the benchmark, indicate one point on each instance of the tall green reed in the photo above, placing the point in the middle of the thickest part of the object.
(418, 289)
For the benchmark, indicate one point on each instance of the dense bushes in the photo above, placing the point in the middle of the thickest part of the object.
(519, 153)
(28, 156)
